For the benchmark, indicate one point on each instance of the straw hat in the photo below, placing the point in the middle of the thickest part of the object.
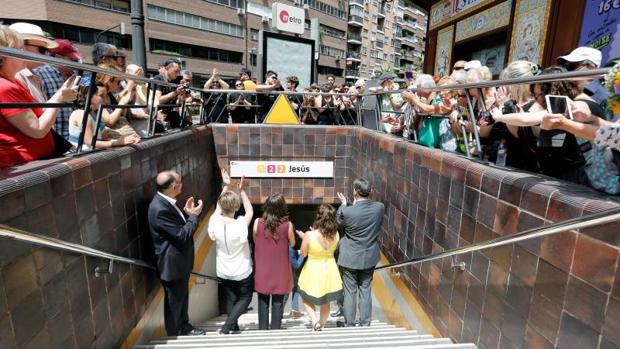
(34, 34)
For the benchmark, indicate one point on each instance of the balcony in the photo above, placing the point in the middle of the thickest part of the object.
(356, 21)
(409, 41)
(353, 56)
(354, 38)
(409, 25)
(359, 3)
(352, 74)
(408, 56)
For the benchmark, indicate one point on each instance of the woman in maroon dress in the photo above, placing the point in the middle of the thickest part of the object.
(273, 233)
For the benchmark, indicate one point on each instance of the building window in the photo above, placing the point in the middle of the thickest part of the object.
(229, 3)
(331, 51)
(197, 22)
(253, 34)
(365, 51)
(333, 32)
(322, 7)
(115, 5)
(214, 54)
(86, 36)
(323, 70)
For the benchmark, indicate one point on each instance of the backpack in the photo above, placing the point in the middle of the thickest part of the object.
(602, 167)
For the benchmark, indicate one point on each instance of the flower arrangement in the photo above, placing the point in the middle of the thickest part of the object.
(612, 81)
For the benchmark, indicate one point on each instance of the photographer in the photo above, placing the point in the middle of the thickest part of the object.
(309, 115)
(240, 106)
(266, 101)
(215, 102)
(169, 95)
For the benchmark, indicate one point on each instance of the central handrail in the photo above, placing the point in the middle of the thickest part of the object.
(46, 241)
(586, 221)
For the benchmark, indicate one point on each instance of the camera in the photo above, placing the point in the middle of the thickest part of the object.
(509, 107)
(487, 117)
(186, 88)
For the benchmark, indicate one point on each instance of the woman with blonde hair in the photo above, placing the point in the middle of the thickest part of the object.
(320, 282)
(25, 133)
(116, 118)
(233, 259)
(273, 233)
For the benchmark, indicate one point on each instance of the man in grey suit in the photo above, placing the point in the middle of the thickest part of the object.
(360, 224)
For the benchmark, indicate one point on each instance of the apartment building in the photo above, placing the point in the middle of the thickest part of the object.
(206, 34)
(384, 35)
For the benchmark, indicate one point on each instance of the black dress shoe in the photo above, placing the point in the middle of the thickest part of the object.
(340, 323)
(336, 313)
(194, 332)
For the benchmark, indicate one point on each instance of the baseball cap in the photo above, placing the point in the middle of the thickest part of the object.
(34, 34)
(385, 77)
(475, 64)
(581, 54)
(66, 48)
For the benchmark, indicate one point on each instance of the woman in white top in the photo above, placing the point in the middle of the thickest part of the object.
(233, 259)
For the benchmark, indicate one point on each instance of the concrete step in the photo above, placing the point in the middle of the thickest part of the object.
(267, 335)
(379, 341)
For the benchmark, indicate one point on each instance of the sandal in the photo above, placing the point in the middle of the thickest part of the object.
(316, 327)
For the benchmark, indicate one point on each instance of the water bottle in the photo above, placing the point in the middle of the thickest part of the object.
(501, 154)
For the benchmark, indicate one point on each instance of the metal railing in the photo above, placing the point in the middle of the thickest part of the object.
(57, 244)
(586, 221)
(354, 18)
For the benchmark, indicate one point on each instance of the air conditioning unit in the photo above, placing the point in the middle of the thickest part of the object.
(240, 12)
(297, 2)
(306, 7)
(265, 19)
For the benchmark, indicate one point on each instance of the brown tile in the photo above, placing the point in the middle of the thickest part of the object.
(551, 282)
(486, 210)
(611, 328)
(513, 327)
(595, 262)
(534, 340)
(527, 222)
(585, 303)
(559, 249)
(474, 175)
(468, 228)
(506, 219)
(493, 310)
(545, 316)
(606, 232)
(576, 335)
(491, 181)
(563, 207)
(470, 201)
(535, 199)
(489, 335)
(497, 280)
(524, 265)
(518, 296)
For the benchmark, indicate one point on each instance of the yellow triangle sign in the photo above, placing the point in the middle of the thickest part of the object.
(281, 113)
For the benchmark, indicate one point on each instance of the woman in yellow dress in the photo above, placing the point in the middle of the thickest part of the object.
(319, 282)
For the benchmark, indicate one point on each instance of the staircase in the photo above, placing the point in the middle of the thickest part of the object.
(296, 333)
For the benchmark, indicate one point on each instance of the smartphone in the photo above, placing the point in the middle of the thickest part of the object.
(76, 81)
(408, 75)
(559, 105)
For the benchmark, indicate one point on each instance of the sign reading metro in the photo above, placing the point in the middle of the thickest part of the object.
(282, 169)
(288, 18)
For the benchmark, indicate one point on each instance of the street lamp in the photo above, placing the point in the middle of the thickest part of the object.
(122, 31)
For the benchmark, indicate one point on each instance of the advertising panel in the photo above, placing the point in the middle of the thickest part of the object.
(447, 10)
(490, 19)
(601, 27)
(288, 18)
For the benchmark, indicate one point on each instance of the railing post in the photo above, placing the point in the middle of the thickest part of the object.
(472, 116)
(152, 110)
(96, 131)
(91, 90)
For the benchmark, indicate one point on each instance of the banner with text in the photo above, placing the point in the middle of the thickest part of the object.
(282, 169)
(601, 27)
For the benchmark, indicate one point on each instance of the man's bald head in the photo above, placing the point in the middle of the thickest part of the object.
(165, 181)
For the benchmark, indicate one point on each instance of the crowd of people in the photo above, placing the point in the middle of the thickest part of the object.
(331, 262)
(573, 137)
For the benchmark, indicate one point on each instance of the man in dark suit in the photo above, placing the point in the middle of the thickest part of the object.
(172, 234)
(360, 224)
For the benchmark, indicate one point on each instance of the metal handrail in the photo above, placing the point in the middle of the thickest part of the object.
(586, 221)
(46, 241)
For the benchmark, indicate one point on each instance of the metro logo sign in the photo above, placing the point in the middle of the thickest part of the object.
(289, 18)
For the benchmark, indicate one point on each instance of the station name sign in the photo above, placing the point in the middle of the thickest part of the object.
(282, 169)
(288, 18)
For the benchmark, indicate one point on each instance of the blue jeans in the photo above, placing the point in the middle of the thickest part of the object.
(296, 296)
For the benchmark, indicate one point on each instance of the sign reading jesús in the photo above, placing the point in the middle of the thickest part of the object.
(282, 169)
(288, 18)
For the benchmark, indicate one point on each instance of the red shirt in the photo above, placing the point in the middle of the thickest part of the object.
(15, 147)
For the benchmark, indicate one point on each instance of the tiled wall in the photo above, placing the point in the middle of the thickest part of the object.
(50, 299)
(562, 291)
(318, 143)
(558, 292)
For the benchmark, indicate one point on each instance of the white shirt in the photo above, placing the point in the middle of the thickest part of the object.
(233, 257)
(174, 203)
